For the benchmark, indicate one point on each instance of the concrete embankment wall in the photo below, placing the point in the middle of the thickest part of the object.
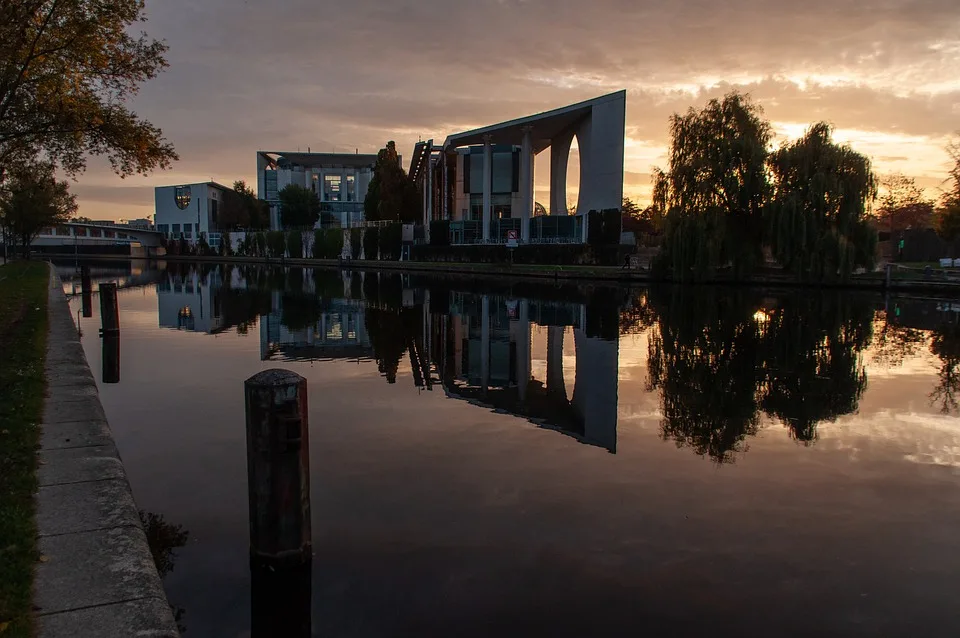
(96, 577)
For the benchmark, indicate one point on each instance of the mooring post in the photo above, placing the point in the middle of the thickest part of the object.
(889, 268)
(110, 357)
(86, 292)
(109, 312)
(278, 468)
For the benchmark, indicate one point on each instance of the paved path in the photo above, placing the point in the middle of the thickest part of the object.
(96, 578)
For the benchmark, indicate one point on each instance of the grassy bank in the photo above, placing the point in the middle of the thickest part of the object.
(23, 338)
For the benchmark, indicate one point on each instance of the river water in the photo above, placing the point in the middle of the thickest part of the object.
(501, 458)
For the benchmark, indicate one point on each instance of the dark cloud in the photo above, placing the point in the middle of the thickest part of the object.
(296, 73)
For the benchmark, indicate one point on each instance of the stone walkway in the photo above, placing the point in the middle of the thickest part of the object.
(96, 577)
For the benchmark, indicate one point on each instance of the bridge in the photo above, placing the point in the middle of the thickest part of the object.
(87, 237)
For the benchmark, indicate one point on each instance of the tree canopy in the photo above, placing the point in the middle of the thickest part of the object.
(903, 205)
(242, 209)
(818, 226)
(391, 195)
(714, 191)
(67, 68)
(947, 218)
(299, 207)
(31, 199)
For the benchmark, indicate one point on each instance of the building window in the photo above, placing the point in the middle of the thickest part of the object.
(214, 211)
(331, 188)
(121, 235)
(270, 184)
(96, 232)
(176, 229)
(80, 232)
(63, 230)
(109, 234)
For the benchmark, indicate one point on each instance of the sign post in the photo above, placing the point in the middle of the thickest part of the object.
(512, 242)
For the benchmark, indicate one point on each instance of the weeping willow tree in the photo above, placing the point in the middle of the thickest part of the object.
(703, 358)
(812, 360)
(817, 219)
(714, 193)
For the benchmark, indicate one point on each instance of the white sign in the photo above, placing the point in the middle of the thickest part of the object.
(512, 238)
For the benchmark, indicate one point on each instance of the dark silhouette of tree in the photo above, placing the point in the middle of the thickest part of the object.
(703, 357)
(31, 199)
(818, 225)
(715, 189)
(946, 345)
(811, 354)
(299, 207)
(391, 194)
(903, 205)
(947, 220)
(242, 209)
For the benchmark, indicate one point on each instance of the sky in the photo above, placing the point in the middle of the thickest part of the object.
(346, 76)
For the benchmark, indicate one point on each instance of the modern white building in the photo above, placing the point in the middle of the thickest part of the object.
(340, 181)
(464, 180)
(190, 211)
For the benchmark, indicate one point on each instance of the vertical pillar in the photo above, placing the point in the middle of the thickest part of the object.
(344, 198)
(485, 343)
(526, 183)
(487, 186)
(278, 468)
(428, 186)
(523, 349)
(110, 358)
(445, 206)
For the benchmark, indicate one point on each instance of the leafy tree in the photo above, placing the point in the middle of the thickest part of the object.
(818, 226)
(299, 207)
(32, 199)
(903, 205)
(947, 221)
(67, 69)
(714, 192)
(242, 209)
(391, 194)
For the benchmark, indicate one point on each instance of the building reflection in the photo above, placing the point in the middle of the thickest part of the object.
(481, 351)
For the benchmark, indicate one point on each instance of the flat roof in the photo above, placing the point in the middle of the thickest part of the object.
(318, 160)
(545, 126)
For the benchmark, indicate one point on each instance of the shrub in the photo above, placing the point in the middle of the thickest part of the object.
(276, 243)
(355, 234)
(371, 243)
(440, 233)
(391, 242)
(327, 243)
(295, 244)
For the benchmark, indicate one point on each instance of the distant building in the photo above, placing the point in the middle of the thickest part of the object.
(190, 211)
(141, 223)
(340, 181)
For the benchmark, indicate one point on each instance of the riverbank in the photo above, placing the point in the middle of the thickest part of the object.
(546, 272)
(96, 575)
(23, 337)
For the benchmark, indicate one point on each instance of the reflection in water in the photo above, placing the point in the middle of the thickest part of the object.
(721, 357)
(164, 539)
(946, 345)
(452, 499)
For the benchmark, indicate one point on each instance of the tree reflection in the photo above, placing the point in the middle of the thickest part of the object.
(812, 363)
(164, 539)
(946, 345)
(703, 358)
(721, 357)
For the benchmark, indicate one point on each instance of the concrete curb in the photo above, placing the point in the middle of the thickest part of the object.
(97, 578)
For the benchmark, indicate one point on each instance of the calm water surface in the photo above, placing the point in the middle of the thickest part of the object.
(508, 459)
